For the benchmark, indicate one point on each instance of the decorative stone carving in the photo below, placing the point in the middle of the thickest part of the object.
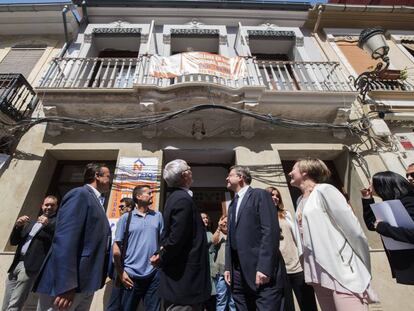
(269, 26)
(350, 39)
(195, 23)
(144, 38)
(194, 31)
(300, 41)
(223, 40)
(87, 38)
(247, 126)
(198, 130)
(166, 39)
(118, 30)
(280, 34)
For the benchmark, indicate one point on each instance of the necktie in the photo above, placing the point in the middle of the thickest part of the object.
(102, 199)
(233, 210)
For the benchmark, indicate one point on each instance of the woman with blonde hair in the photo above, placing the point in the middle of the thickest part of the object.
(336, 258)
(291, 248)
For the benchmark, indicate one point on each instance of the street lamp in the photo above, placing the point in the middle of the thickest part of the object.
(372, 40)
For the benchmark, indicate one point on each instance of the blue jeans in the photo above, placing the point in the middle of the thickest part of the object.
(146, 289)
(223, 298)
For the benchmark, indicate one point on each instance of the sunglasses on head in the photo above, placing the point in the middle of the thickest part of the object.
(409, 175)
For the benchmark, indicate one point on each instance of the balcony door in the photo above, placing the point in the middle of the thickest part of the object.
(114, 68)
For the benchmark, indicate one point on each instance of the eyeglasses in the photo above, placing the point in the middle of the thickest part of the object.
(409, 175)
(121, 206)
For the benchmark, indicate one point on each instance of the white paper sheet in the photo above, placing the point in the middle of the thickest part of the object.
(396, 215)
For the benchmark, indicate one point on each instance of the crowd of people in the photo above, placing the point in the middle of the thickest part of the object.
(259, 256)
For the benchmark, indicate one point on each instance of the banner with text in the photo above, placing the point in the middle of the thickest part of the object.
(198, 63)
(129, 173)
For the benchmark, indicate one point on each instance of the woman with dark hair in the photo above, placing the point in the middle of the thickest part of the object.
(392, 186)
(291, 248)
(336, 259)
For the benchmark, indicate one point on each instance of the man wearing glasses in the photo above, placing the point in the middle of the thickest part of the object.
(126, 205)
(410, 173)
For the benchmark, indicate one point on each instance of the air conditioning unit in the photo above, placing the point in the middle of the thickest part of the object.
(380, 128)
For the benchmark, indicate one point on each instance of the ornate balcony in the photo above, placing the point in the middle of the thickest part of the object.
(124, 87)
(17, 97)
(128, 73)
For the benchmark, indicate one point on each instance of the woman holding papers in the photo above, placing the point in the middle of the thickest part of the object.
(391, 186)
(336, 258)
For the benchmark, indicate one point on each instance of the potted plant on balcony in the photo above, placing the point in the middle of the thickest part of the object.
(393, 74)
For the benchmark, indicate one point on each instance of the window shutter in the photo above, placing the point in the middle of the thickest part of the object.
(21, 61)
(360, 60)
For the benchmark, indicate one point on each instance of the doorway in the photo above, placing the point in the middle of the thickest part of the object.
(334, 180)
(210, 169)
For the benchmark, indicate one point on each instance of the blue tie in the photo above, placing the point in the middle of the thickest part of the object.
(102, 199)
(233, 210)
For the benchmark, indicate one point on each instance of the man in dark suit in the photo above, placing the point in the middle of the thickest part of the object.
(185, 275)
(254, 267)
(77, 263)
(33, 240)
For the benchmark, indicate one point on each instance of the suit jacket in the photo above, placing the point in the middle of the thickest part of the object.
(257, 237)
(78, 258)
(38, 248)
(185, 272)
(401, 261)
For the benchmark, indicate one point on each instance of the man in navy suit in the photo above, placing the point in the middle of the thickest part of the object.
(254, 267)
(76, 265)
(183, 257)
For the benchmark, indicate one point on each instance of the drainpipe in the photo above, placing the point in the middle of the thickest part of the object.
(315, 31)
(318, 19)
(85, 13)
(65, 27)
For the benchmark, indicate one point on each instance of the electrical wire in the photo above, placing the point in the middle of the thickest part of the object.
(156, 118)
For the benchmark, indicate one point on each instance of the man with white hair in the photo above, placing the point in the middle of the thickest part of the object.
(183, 255)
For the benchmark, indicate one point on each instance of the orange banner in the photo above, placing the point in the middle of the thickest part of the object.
(129, 173)
(198, 63)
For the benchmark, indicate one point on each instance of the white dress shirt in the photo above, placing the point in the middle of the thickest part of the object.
(241, 194)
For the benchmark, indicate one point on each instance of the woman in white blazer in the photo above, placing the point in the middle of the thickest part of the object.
(336, 258)
(291, 248)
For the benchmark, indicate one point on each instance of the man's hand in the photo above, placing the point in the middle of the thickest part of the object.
(261, 279)
(21, 221)
(64, 301)
(366, 193)
(43, 220)
(227, 278)
(155, 260)
(126, 281)
(377, 222)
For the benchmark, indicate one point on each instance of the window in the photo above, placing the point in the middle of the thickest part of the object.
(69, 175)
(181, 43)
(22, 59)
(360, 60)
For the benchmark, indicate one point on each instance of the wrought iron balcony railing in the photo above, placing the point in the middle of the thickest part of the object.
(304, 76)
(17, 97)
(124, 73)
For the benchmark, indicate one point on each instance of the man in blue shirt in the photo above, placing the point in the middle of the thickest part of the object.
(139, 278)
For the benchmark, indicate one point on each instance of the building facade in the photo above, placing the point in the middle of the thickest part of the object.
(140, 83)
